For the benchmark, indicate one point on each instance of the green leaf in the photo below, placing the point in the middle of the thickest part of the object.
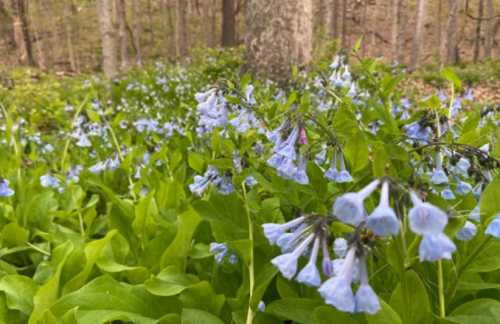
(479, 311)
(328, 315)
(410, 300)
(169, 282)
(489, 204)
(196, 316)
(19, 291)
(180, 247)
(487, 260)
(356, 151)
(300, 310)
(450, 75)
(196, 161)
(386, 315)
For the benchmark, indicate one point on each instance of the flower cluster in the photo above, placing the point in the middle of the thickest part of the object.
(211, 176)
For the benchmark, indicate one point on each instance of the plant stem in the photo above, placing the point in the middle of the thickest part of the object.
(251, 273)
(442, 307)
(68, 140)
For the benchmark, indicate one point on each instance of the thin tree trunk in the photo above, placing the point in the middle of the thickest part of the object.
(334, 19)
(39, 43)
(137, 26)
(364, 23)
(7, 40)
(228, 23)
(122, 33)
(451, 32)
(181, 28)
(396, 33)
(279, 36)
(68, 27)
(419, 30)
(439, 29)
(490, 30)
(345, 37)
(213, 22)
(109, 64)
(479, 21)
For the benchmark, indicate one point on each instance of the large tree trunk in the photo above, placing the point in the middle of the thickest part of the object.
(419, 31)
(69, 11)
(181, 28)
(396, 32)
(22, 33)
(479, 21)
(109, 64)
(451, 32)
(345, 37)
(490, 30)
(228, 23)
(279, 36)
(7, 41)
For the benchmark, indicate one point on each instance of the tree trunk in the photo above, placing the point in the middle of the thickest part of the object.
(419, 30)
(364, 24)
(181, 28)
(334, 19)
(109, 64)
(396, 33)
(38, 43)
(137, 26)
(228, 23)
(451, 32)
(479, 21)
(490, 30)
(7, 41)
(22, 33)
(345, 37)
(69, 11)
(122, 33)
(279, 36)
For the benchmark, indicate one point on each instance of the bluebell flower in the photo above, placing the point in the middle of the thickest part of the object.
(439, 177)
(467, 232)
(273, 231)
(49, 181)
(83, 140)
(435, 247)
(463, 188)
(493, 228)
(426, 218)
(475, 214)
(468, 95)
(250, 181)
(332, 173)
(233, 259)
(5, 190)
(340, 247)
(349, 207)
(447, 194)
(442, 96)
(309, 275)
(326, 263)
(261, 306)
(275, 135)
(98, 167)
(343, 176)
(477, 190)
(463, 166)
(336, 63)
(288, 241)
(418, 133)
(366, 299)
(287, 263)
(320, 157)
(300, 175)
(219, 250)
(383, 220)
(249, 97)
(74, 174)
(337, 290)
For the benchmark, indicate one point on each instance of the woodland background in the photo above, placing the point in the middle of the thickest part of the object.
(74, 35)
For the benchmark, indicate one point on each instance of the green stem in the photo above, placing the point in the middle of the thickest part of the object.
(251, 272)
(442, 307)
(68, 140)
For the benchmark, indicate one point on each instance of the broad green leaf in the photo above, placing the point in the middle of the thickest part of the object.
(386, 315)
(328, 315)
(196, 316)
(489, 204)
(19, 291)
(479, 311)
(169, 282)
(300, 310)
(410, 300)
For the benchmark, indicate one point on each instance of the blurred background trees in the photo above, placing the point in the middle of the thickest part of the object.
(114, 35)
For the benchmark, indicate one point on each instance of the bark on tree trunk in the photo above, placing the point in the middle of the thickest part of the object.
(344, 24)
(451, 32)
(396, 33)
(69, 10)
(479, 21)
(334, 19)
(122, 33)
(181, 28)
(490, 30)
(228, 23)
(22, 33)
(7, 40)
(419, 30)
(137, 26)
(109, 65)
(279, 36)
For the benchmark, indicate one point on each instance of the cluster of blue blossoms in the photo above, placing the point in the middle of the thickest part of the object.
(308, 235)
